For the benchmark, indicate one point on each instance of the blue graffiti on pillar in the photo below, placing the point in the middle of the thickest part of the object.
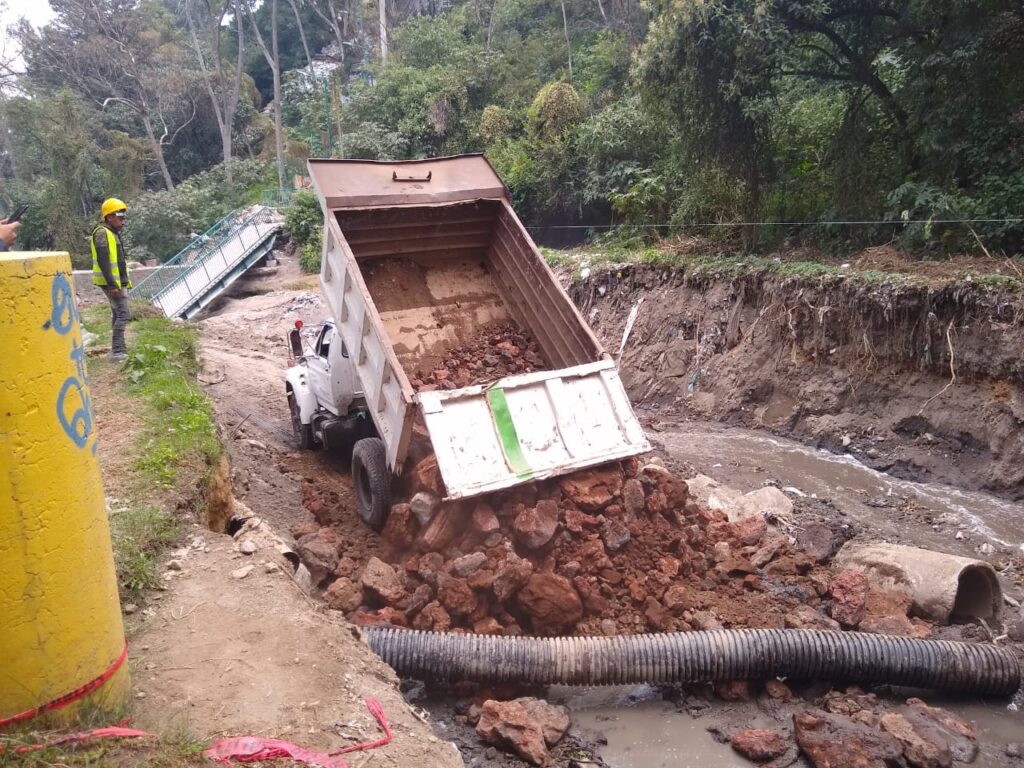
(74, 407)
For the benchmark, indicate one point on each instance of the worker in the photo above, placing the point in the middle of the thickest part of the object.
(110, 270)
(8, 234)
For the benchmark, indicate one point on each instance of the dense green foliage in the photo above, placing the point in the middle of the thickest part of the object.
(304, 223)
(671, 116)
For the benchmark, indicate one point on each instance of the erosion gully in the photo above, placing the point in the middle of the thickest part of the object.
(650, 727)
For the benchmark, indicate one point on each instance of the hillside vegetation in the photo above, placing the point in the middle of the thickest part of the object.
(613, 118)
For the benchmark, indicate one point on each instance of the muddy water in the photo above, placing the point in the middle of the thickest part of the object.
(746, 460)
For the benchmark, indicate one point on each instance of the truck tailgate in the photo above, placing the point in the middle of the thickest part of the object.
(530, 427)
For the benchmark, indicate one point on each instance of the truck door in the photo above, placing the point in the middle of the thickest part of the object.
(320, 369)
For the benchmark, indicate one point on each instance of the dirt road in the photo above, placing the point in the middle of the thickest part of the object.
(234, 646)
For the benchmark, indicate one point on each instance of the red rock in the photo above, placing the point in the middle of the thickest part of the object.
(467, 565)
(593, 489)
(488, 626)
(511, 576)
(776, 689)
(893, 625)
(381, 582)
(633, 497)
(938, 724)
(816, 540)
(595, 603)
(433, 617)
(918, 749)
(428, 566)
(535, 527)
(445, 526)
(736, 567)
(551, 602)
(669, 566)
(790, 565)
(422, 595)
(657, 615)
(805, 617)
(767, 552)
(455, 595)
(346, 567)
(833, 741)
(305, 528)
(849, 597)
(554, 719)
(401, 527)
(426, 476)
(759, 744)
(677, 598)
(484, 520)
(482, 579)
(592, 556)
(705, 621)
(385, 617)
(577, 522)
(734, 690)
(510, 726)
(343, 595)
(882, 602)
(751, 530)
(657, 503)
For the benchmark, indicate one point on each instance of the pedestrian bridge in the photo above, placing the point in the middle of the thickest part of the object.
(211, 262)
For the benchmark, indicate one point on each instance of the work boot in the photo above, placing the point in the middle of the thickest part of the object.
(119, 356)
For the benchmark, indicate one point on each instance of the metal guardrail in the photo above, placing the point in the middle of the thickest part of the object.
(200, 266)
(277, 198)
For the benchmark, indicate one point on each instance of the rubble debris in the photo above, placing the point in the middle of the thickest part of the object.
(759, 744)
(501, 350)
(526, 726)
(849, 597)
(834, 741)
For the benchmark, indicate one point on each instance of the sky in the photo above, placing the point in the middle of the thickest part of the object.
(36, 11)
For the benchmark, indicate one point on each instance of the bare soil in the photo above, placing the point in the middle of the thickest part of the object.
(923, 382)
(227, 652)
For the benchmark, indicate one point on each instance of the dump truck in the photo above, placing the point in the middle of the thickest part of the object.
(418, 258)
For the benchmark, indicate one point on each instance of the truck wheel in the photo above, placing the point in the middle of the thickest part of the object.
(303, 432)
(372, 481)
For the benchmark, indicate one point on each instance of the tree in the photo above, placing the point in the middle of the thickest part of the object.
(273, 59)
(224, 92)
(117, 55)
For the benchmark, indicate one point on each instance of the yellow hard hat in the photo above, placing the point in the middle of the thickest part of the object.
(112, 205)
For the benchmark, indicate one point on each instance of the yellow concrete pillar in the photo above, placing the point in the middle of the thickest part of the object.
(60, 619)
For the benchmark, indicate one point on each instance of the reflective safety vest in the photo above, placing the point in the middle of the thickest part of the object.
(113, 243)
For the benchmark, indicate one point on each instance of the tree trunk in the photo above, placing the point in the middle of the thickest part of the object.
(278, 128)
(302, 35)
(568, 43)
(157, 150)
(383, 8)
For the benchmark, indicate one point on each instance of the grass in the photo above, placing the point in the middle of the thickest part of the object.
(732, 266)
(139, 534)
(178, 422)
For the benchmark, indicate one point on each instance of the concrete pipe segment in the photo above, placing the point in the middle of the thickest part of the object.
(61, 636)
(942, 588)
(693, 657)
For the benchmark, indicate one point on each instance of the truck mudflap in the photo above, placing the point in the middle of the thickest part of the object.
(530, 427)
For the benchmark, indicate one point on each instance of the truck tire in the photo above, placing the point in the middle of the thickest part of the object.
(303, 432)
(372, 481)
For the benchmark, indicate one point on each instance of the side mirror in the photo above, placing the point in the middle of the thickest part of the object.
(295, 343)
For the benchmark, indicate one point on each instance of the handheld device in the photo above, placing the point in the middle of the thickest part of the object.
(16, 216)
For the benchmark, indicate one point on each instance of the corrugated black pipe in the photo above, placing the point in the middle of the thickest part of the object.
(691, 657)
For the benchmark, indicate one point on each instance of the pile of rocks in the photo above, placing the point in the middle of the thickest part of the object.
(499, 351)
(613, 550)
(856, 729)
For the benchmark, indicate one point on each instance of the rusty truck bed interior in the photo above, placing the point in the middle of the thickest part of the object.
(439, 274)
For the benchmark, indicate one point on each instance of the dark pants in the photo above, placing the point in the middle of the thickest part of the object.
(119, 315)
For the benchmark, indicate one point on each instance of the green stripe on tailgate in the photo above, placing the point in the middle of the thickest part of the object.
(507, 432)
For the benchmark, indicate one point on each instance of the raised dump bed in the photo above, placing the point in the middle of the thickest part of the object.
(425, 266)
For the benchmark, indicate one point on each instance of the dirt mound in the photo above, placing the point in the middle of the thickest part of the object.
(502, 350)
(613, 550)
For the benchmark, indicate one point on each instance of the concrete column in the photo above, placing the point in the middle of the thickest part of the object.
(60, 618)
